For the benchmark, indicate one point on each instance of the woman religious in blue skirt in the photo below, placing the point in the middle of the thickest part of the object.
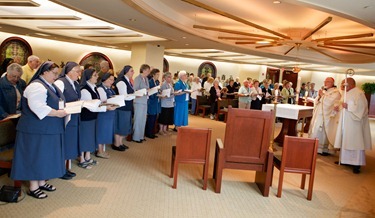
(39, 150)
(69, 86)
(87, 126)
(105, 125)
(181, 99)
(123, 121)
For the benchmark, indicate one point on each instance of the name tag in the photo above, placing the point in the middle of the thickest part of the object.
(61, 104)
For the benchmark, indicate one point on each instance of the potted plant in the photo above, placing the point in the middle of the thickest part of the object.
(369, 89)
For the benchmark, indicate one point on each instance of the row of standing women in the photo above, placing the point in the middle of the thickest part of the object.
(44, 142)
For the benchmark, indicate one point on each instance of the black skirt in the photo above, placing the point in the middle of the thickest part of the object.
(166, 116)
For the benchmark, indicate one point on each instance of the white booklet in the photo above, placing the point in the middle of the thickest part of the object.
(117, 100)
(13, 116)
(166, 93)
(74, 107)
(141, 92)
(92, 105)
(153, 90)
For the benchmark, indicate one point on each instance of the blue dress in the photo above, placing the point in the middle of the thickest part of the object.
(39, 150)
(105, 126)
(181, 107)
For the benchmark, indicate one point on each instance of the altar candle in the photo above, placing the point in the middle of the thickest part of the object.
(306, 93)
(276, 95)
(298, 89)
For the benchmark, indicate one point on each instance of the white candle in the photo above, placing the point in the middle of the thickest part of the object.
(298, 89)
(276, 92)
(306, 93)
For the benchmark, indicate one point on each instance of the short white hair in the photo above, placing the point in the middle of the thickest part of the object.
(32, 58)
(104, 64)
(181, 73)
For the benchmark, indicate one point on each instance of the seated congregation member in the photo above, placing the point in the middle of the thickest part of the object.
(29, 68)
(140, 104)
(244, 99)
(38, 150)
(123, 119)
(105, 125)
(196, 91)
(87, 126)
(215, 95)
(231, 89)
(181, 110)
(153, 108)
(4, 65)
(287, 93)
(167, 105)
(256, 96)
(11, 90)
(69, 86)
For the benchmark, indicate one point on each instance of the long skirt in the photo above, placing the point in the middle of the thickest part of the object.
(87, 139)
(123, 122)
(105, 127)
(71, 141)
(181, 114)
(166, 116)
(38, 157)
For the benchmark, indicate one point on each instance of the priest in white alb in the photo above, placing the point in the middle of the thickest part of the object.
(353, 135)
(325, 119)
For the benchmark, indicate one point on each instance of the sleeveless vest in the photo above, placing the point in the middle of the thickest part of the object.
(129, 89)
(30, 123)
(86, 114)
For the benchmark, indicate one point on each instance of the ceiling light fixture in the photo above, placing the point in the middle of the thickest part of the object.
(276, 2)
(296, 68)
(132, 20)
(263, 42)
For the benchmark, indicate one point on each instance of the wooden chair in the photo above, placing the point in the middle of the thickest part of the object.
(7, 140)
(246, 146)
(192, 146)
(298, 156)
(202, 104)
(222, 108)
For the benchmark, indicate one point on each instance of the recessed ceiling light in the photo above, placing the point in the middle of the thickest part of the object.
(276, 2)
(132, 20)
(263, 42)
(184, 37)
(186, 44)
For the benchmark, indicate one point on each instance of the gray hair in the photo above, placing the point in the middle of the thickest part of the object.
(14, 67)
(181, 73)
(32, 58)
(104, 64)
(166, 74)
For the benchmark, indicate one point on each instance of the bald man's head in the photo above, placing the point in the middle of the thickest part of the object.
(350, 84)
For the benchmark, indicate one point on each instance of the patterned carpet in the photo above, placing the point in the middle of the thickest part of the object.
(135, 183)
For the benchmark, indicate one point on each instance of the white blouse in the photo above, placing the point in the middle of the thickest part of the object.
(122, 89)
(86, 95)
(36, 95)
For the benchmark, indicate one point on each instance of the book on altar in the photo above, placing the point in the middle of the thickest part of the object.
(153, 90)
(74, 107)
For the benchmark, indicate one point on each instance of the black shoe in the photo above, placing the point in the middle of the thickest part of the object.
(150, 136)
(124, 146)
(70, 173)
(66, 176)
(155, 136)
(174, 129)
(137, 141)
(119, 148)
(325, 154)
(356, 169)
(143, 140)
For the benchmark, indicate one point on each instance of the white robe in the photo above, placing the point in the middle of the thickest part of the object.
(353, 135)
(324, 121)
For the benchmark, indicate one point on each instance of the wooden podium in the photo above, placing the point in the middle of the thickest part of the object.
(291, 114)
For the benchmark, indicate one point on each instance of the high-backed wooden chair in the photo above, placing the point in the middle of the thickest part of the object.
(246, 146)
(192, 146)
(298, 156)
(7, 140)
(203, 105)
(222, 108)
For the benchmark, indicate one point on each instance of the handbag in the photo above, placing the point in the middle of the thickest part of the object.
(9, 193)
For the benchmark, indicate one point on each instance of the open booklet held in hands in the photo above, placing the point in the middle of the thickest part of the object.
(153, 90)
(139, 93)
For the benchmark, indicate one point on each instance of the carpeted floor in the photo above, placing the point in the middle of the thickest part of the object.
(135, 183)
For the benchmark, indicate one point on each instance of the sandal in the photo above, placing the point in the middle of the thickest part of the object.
(104, 155)
(48, 187)
(38, 194)
(91, 161)
(85, 165)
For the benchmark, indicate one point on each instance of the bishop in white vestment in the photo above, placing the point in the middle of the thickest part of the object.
(324, 121)
(353, 135)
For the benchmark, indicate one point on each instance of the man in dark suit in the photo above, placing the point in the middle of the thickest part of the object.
(11, 90)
